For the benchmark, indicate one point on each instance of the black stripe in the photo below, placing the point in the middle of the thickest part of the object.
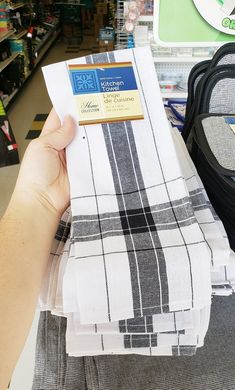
(81, 236)
(157, 208)
(128, 192)
(160, 164)
(122, 206)
(155, 241)
(139, 250)
(102, 342)
(149, 324)
(127, 341)
(122, 326)
(175, 322)
(88, 59)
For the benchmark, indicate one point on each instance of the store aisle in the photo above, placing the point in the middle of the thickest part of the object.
(32, 100)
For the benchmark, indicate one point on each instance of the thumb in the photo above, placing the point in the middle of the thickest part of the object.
(60, 138)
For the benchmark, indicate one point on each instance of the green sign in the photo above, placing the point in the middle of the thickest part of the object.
(194, 22)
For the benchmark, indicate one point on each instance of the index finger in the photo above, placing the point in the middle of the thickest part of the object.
(52, 123)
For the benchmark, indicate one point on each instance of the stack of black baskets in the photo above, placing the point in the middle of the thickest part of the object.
(209, 131)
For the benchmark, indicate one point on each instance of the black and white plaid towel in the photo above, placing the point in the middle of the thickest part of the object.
(143, 238)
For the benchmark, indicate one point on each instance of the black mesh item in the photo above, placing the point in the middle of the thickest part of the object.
(203, 93)
(224, 55)
(201, 74)
(218, 180)
(194, 76)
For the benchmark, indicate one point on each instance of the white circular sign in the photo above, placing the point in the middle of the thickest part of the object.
(220, 14)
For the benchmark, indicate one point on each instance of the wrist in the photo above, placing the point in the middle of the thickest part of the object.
(30, 204)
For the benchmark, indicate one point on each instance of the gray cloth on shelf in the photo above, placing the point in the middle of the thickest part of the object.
(212, 368)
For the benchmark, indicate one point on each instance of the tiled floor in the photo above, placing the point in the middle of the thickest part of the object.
(32, 100)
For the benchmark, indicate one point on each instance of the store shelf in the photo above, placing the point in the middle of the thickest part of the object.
(5, 63)
(16, 6)
(172, 59)
(18, 36)
(145, 18)
(70, 3)
(6, 35)
(46, 45)
(8, 98)
(173, 95)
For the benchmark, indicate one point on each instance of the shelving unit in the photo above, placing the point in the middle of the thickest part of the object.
(30, 50)
(174, 95)
(6, 35)
(46, 45)
(5, 63)
(7, 100)
(145, 18)
(122, 35)
(16, 6)
(174, 59)
(176, 66)
(41, 50)
(19, 35)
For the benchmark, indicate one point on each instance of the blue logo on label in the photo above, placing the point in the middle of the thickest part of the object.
(84, 82)
(103, 79)
(230, 120)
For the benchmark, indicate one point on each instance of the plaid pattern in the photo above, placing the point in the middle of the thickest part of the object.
(171, 322)
(47, 291)
(141, 223)
(136, 216)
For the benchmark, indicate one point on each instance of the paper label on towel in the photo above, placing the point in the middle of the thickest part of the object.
(230, 120)
(105, 92)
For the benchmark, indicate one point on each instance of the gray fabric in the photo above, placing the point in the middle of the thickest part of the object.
(54, 370)
(222, 98)
(221, 140)
(213, 367)
(227, 59)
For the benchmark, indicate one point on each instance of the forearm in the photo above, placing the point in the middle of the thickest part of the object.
(26, 230)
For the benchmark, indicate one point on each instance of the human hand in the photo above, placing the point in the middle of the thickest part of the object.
(43, 174)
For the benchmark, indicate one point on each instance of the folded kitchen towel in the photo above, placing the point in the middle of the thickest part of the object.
(134, 229)
(132, 273)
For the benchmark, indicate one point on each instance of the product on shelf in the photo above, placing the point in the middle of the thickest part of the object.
(20, 46)
(8, 146)
(4, 17)
(107, 34)
(105, 46)
(146, 7)
(167, 85)
(131, 14)
(25, 29)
